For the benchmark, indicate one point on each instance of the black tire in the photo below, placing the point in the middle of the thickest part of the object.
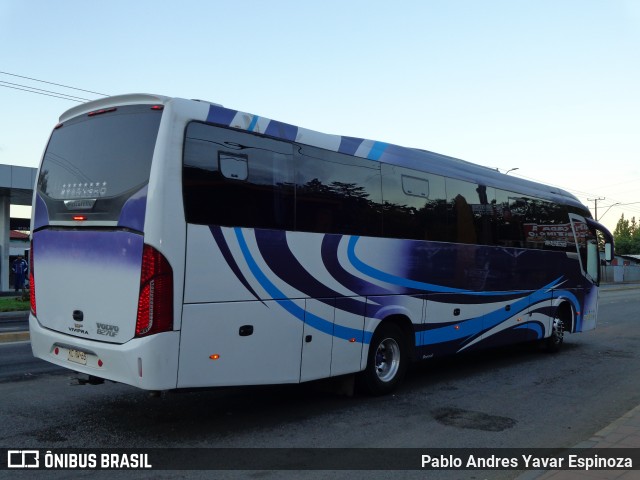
(554, 342)
(386, 361)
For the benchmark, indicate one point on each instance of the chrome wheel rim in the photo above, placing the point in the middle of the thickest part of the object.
(387, 359)
(558, 330)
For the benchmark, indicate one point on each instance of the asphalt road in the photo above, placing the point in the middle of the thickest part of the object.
(512, 397)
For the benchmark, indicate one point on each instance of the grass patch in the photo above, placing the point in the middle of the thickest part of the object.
(12, 304)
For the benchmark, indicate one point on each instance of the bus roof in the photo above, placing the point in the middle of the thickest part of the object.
(413, 158)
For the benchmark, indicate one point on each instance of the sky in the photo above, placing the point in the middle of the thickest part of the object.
(548, 87)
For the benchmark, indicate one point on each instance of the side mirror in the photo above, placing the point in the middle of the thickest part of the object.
(608, 252)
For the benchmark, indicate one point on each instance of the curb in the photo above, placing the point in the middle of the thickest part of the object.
(14, 314)
(619, 286)
(14, 337)
(609, 429)
(592, 442)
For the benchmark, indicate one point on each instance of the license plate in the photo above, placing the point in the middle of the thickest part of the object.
(77, 356)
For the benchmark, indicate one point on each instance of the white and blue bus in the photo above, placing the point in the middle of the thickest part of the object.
(178, 244)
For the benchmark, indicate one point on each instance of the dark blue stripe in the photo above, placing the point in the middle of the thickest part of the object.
(416, 285)
(545, 310)
(471, 327)
(282, 130)
(41, 217)
(349, 145)
(228, 256)
(221, 115)
(358, 285)
(393, 279)
(536, 327)
(275, 252)
(133, 212)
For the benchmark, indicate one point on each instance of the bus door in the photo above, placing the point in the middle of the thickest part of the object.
(316, 344)
(587, 247)
(586, 240)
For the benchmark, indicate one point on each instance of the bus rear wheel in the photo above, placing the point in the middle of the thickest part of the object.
(386, 361)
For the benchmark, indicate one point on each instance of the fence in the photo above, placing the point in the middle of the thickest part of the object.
(621, 273)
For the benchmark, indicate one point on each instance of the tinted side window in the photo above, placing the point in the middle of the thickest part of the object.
(237, 179)
(471, 212)
(414, 204)
(337, 193)
(547, 226)
(511, 211)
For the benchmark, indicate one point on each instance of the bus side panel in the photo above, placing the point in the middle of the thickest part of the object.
(215, 268)
(540, 319)
(513, 322)
(453, 324)
(590, 310)
(348, 338)
(317, 345)
(239, 343)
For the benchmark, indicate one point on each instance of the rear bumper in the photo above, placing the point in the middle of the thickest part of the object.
(150, 363)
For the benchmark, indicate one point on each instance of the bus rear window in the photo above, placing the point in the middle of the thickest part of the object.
(103, 155)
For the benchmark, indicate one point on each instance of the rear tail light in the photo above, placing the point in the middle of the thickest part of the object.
(101, 111)
(32, 283)
(155, 304)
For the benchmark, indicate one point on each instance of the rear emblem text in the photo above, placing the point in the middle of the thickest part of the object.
(108, 330)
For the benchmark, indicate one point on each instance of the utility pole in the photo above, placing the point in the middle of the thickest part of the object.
(595, 200)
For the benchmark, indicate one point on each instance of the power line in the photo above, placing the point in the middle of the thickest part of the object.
(619, 204)
(620, 183)
(571, 190)
(40, 93)
(579, 193)
(36, 90)
(56, 84)
(587, 195)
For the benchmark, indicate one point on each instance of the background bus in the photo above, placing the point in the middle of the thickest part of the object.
(178, 244)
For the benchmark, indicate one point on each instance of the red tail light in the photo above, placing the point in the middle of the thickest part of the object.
(101, 111)
(155, 304)
(32, 283)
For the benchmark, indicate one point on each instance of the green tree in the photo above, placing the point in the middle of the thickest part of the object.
(627, 236)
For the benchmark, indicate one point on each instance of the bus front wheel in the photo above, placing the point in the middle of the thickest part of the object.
(555, 340)
(386, 360)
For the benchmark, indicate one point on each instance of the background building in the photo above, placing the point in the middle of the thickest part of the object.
(16, 188)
